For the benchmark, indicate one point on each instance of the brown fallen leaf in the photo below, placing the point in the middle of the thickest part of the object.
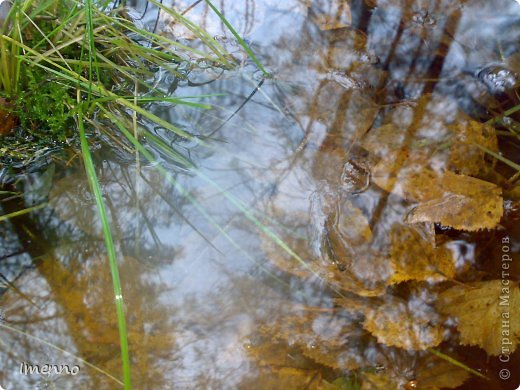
(487, 314)
(344, 260)
(7, 119)
(457, 201)
(415, 258)
(439, 138)
(330, 339)
(400, 324)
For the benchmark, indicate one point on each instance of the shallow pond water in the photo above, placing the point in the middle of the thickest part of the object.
(342, 228)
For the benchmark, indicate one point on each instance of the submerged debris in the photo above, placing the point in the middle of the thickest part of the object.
(495, 303)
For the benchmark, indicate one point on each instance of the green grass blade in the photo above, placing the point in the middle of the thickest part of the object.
(506, 113)
(499, 157)
(91, 40)
(242, 43)
(21, 212)
(112, 258)
(455, 362)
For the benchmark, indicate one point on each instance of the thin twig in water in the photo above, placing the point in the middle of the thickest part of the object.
(239, 107)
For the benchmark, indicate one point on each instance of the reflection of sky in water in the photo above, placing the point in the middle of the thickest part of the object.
(216, 295)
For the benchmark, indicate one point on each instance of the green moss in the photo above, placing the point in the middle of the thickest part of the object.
(44, 106)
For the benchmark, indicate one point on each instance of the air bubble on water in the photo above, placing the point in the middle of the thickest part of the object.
(423, 18)
(355, 177)
(497, 78)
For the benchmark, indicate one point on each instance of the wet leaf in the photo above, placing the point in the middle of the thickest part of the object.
(347, 227)
(343, 262)
(7, 119)
(457, 201)
(284, 378)
(434, 139)
(487, 314)
(436, 373)
(415, 258)
(401, 324)
(268, 353)
(384, 140)
(483, 211)
(330, 339)
(461, 150)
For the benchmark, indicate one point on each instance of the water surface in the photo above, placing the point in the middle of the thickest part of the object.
(274, 266)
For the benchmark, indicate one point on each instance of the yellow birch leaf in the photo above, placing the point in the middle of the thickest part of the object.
(457, 201)
(448, 145)
(400, 324)
(461, 147)
(346, 263)
(487, 314)
(415, 258)
(329, 339)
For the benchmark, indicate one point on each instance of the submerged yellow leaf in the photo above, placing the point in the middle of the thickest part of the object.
(461, 148)
(268, 353)
(453, 200)
(283, 378)
(443, 147)
(481, 210)
(487, 314)
(329, 339)
(345, 262)
(400, 324)
(415, 258)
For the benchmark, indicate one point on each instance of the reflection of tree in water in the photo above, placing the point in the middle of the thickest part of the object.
(400, 52)
(64, 294)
